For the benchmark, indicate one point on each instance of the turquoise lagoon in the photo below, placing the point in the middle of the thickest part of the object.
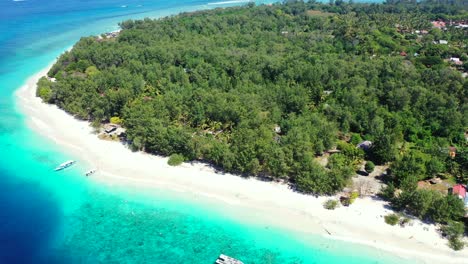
(48, 217)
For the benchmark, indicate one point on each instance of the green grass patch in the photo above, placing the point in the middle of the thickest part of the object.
(175, 159)
(392, 219)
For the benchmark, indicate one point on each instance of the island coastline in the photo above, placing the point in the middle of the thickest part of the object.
(361, 223)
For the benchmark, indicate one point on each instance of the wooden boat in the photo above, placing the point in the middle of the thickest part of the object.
(90, 172)
(223, 259)
(65, 165)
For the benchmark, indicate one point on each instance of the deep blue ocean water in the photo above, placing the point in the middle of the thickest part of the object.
(47, 217)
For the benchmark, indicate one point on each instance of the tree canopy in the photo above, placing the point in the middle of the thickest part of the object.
(261, 90)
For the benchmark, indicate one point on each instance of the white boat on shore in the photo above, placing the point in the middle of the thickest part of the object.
(65, 165)
(223, 259)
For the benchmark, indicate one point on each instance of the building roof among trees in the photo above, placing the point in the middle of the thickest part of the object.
(459, 190)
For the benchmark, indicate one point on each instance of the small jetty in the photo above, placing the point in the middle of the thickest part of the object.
(65, 165)
(223, 259)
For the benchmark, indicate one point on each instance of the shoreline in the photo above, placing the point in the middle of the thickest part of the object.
(273, 203)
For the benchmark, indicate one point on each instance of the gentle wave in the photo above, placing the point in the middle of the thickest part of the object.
(230, 2)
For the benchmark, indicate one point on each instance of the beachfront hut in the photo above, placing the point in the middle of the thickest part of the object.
(110, 128)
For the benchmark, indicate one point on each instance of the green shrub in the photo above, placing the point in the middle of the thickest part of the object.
(175, 159)
(45, 93)
(456, 243)
(369, 166)
(44, 90)
(454, 231)
(116, 120)
(354, 195)
(350, 150)
(91, 70)
(355, 139)
(330, 204)
(392, 219)
(388, 192)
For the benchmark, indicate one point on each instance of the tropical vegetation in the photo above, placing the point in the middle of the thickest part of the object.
(263, 90)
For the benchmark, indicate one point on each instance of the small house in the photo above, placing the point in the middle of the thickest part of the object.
(277, 129)
(365, 145)
(456, 61)
(438, 24)
(112, 34)
(459, 190)
(113, 130)
(461, 25)
(443, 42)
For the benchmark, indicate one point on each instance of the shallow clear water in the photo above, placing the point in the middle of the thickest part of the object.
(48, 217)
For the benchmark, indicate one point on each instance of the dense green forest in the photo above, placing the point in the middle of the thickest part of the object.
(214, 85)
(262, 90)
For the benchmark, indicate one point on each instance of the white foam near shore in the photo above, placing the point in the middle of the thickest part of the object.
(272, 203)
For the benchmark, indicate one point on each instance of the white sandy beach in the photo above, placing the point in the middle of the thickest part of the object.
(362, 222)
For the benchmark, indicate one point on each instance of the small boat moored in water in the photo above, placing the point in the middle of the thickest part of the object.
(65, 165)
(223, 259)
(90, 172)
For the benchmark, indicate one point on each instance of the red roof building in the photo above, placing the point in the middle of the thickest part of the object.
(438, 24)
(459, 190)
